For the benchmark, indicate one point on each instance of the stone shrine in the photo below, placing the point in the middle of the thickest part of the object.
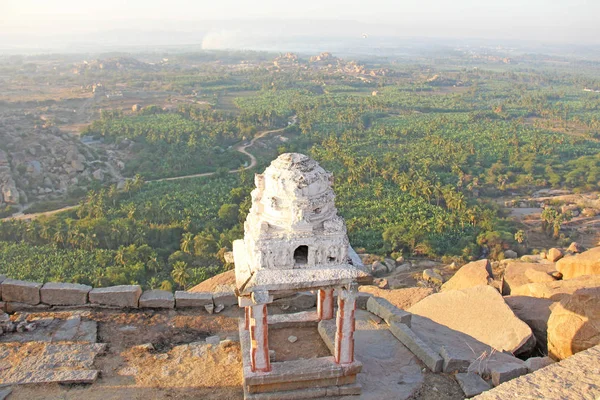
(295, 241)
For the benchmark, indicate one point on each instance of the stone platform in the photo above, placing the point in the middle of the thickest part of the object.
(297, 379)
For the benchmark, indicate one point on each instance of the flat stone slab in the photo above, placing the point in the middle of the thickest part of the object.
(576, 377)
(504, 372)
(47, 363)
(118, 296)
(189, 299)
(298, 279)
(49, 329)
(481, 313)
(21, 291)
(299, 319)
(471, 384)
(64, 294)
(157, 299)
(28, 377)
(387, 311)
(224, 298)
(459, 346)
(419, 348)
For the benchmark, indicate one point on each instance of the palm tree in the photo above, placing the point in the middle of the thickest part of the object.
(186, 242)
(180, 274)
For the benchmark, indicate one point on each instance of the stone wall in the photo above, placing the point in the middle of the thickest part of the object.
(17, 295)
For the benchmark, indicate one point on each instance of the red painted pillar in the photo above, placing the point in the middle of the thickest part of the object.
(259, 337)
(344, 336)
(325, 304)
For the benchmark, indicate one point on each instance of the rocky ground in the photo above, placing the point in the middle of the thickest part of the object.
(490, 322)
(40, 162)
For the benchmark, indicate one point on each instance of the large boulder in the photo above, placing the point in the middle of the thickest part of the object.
(521, 273)
(510, 254)
(558, 289)
(479, 312)
(586, 263)
(477, 273)
(554, 254)
(574, 324)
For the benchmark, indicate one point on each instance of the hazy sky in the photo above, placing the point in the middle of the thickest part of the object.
(540, 20)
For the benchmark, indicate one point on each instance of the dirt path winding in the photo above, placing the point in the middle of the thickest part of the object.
(240, 147)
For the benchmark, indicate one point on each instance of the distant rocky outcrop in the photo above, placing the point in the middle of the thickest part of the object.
(39, 162)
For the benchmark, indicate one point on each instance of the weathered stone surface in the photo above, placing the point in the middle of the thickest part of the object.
(471, 384)
(535, 312)
(454, 361)
(390, 264)
(401, 298)
(378, 269)
(118, 296)
(157, 299)
(226, 299)
(510, 254)
(535, 363)
(574, 378)
(5, 392)
(431, 276)
(535, 276)
(64, 294)
(515, 275)
(575, 247)
(574, 324)
(293, 237)
(506, 371)
(187, 299)
(554, 254)
(419, 348)
(13, 306)
(558, 289)
(387, 311)
(477, 273)
(298, 301)
(298, 320)
(481, 313)
(46, 363)
(586, 263)
(390, 371)
(21, 291)
(361, 300)
(460, 346)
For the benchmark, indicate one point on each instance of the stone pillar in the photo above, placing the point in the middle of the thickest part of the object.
(344, 335)
(325, 304)
(259, 338)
